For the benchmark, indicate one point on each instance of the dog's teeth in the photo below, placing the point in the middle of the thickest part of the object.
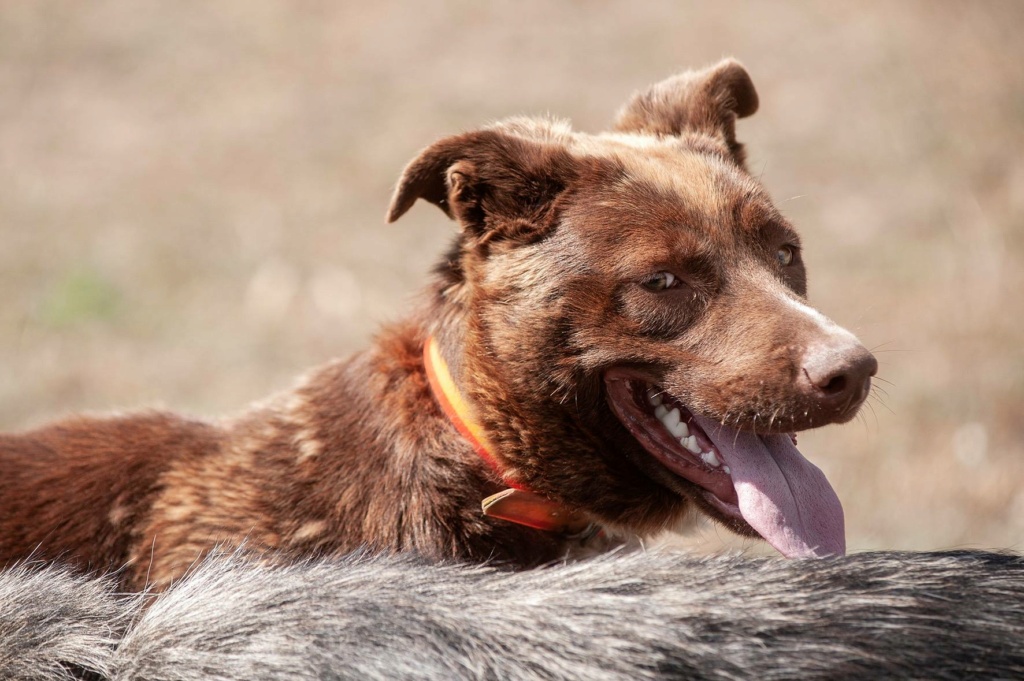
(679, 429)
(661, 412)
(671, 421)
(728, 471)
(682, 432)
(710, 459)
(691, 444)
(653, 397)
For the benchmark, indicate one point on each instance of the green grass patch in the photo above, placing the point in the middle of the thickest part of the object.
(82, 296)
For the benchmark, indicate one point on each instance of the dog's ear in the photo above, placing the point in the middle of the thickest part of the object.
(488, 180)
(707, 101)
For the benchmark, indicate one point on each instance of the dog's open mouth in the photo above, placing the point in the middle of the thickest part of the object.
(760, 480)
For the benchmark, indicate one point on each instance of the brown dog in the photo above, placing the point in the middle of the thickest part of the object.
(617, 336)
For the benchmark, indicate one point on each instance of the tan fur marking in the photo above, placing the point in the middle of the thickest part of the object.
(118, 514)
(309, 445)
(179, 511)
(310, 530)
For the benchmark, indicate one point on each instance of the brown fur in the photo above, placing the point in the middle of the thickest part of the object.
(540, 294)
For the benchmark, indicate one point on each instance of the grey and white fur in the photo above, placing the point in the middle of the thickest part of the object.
(55, 624)
(953, 615)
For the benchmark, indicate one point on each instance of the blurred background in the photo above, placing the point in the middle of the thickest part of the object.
(192, 198)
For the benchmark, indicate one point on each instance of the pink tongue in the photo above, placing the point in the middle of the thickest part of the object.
(781, 494)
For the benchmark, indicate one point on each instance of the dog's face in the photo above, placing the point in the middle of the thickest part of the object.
(631, 307)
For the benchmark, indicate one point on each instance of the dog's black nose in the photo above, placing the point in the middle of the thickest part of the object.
(839, 377)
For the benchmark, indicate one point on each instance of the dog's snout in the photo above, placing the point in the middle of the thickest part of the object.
(839, 378)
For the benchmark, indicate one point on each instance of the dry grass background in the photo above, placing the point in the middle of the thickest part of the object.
(192, 199)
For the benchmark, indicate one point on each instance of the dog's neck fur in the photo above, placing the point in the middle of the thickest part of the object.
(440, 502)
(516, 504)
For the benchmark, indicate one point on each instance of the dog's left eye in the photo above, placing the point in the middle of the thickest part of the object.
(660, 281)
(785, 255)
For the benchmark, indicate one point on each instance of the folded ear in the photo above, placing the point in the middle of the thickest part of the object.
(488, 179)
(707, 101)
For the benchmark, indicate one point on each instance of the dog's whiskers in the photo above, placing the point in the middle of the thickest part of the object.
(881, 390)
(874, 397)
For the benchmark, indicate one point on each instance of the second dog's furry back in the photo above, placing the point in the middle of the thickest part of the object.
(938, 616)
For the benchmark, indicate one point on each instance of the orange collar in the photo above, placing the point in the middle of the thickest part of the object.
(516, 504)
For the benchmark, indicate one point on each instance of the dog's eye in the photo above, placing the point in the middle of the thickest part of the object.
(785, 254)
(660, 281)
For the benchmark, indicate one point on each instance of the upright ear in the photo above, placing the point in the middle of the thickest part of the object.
(489, 180)
(707, 101)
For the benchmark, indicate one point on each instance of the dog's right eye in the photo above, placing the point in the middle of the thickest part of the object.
(660, 281)
(785, 255)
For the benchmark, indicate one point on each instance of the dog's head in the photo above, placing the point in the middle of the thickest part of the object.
(626, 312)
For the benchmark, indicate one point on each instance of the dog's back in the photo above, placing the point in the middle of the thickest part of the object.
(643, 616)
(74, 489)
